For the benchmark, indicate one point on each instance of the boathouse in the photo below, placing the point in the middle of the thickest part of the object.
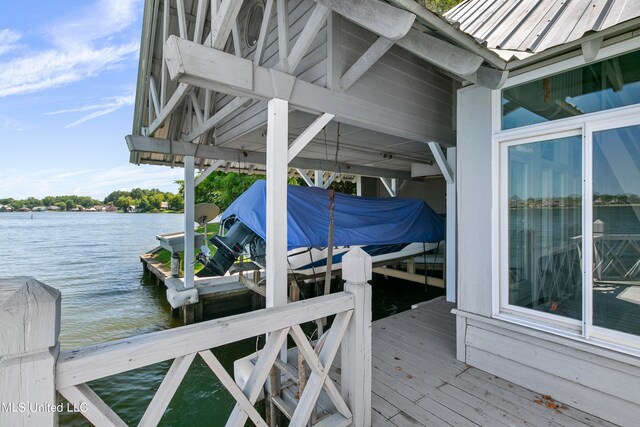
(518, 120)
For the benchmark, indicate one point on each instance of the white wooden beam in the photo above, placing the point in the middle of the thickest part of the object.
(489, 77)
(201, 16)
(451, 254)
(196, 107)
(264, 28)
(223, 72)
(312, 27)
(165, 146)
(442, 162)
(212, 168)
(374, 15)
(319, 178)
(153, 93)
(366, 61)
(276, 224)
(330, 180)
(283, 31)
(213, 121)
(440, 53)
(182, 19)
(189, 219)
(389, 185)
(309, 133)
(591, 48)
(225, 19)
(165, 35)
(305, 177)
(358, 185)
(235, 33)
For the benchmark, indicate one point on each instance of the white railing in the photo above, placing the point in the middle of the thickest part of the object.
(32, 369)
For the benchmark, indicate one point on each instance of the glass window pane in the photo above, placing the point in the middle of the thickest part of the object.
(545, 224)
(616, 229)
(599, 86)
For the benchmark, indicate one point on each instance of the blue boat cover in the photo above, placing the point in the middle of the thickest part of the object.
(357, 220)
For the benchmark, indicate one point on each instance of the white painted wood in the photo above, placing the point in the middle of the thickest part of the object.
(190, 59)
(461, 334)
(300, 48)
(103, 360)
(153, 92)
(201, 17)
(390, 185)
(475, 215)
(264, 28)
(212, 168)
(303, 174)
(258, 376)
(219, 116)
(438, 52)
(423, 169)
(366, 61)
(163, 146)
(232, 388)
(451, 249)
(189, 219)
(176, 98)
(489, 77)
(356, 347)
(182, 19)
(283, 32)
(358, 185)
(276, 225)
(172, 380)
(29, 329)
(330, 180)
(165, 35)
(374, 15)
(196, 107)
(225, 18)
(318, 178)
(93, 407)
(591, 48)
(308, 134)
(441, 160)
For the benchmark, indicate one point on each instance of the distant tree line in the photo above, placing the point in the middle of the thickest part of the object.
(142, 199)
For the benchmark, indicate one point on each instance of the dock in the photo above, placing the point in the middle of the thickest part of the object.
(417, 381)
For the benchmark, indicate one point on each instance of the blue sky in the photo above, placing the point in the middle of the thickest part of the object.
(67, 80)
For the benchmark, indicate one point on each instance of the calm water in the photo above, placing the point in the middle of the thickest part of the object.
(92, 258)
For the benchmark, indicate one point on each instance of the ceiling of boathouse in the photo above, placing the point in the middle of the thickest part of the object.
(355, 146)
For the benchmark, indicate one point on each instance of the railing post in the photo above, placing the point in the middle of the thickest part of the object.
(356, 345)
(29, 330)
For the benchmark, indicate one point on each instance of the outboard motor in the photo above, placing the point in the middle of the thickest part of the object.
(229, 249)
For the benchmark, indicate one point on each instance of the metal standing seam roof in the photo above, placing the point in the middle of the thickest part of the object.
(521, 28)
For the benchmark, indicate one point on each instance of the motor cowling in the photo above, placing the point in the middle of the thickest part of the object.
(228, 250)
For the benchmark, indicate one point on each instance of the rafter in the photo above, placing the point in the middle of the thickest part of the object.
(308, 134)
(370, 57)
(312, 27)
(212, 168)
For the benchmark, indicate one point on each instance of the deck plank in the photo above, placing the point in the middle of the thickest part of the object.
(417, 380)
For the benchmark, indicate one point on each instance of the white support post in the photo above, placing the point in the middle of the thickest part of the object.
(189, 218)
(452, 233)
(29, 330)
(319, 178)
(359, 185)
(277, 168)
(356, 345)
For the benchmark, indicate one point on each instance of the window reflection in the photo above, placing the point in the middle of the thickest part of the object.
(545, 224)
(616, 231)
(599, 86)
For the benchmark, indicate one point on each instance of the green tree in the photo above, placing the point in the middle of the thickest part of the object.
(123, 202)
(439, 6)
(222, 188)
(176, 202)
(61, 205)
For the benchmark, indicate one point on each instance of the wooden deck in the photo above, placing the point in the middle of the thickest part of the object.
(417, 380)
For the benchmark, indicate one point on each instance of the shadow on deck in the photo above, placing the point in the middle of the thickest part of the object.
(417, 380)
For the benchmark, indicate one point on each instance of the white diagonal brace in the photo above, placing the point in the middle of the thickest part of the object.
(167, 389)
(235, 34)
(366, 61)
(442, 162)
(308, 134)
(97, 412)
(258, 376)
(330, 180)
(375, 15)
(232, 387)
(213, 121)
(180, 93)
(264, 28)
(309, 32)
(225, 19)
(283, 30)
(153, 92)
(201, 17)
(212, 168)
(305, 177)
(182, 19)
(196, 107)
(390, 185)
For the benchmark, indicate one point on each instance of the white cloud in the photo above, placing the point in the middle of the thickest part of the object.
(13, 125)
(97, 183)
(8, 39)
(81, 47)
(107, 106)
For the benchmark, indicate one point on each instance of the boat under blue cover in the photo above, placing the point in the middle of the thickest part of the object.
(357, 220)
